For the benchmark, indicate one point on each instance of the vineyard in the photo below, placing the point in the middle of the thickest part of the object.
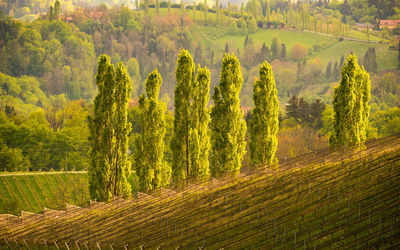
(342, 198)
(34, 192)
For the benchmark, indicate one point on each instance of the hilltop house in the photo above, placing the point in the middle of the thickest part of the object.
(389, 24)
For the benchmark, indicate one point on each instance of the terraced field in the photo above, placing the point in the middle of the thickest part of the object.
(343, 198)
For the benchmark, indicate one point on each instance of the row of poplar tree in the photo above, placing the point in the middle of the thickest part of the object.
(206, 141)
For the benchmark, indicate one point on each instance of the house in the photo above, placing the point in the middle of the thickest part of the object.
(389, 24)
(94, 15)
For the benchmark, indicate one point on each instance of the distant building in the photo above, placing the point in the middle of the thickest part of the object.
(94, 15)
(389, 24)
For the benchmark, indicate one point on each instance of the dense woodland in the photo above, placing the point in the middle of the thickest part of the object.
(48, 68)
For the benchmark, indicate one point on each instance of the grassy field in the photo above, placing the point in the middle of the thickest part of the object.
(331, 49)
(343, 198)
(34, 192)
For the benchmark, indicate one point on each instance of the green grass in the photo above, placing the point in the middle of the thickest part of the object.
(331, 48)
(33, 192)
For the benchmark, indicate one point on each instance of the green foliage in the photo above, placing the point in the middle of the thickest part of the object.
(228, 128)
(109, 168)
(121, 131)
(264, 123)
(56, 53)
(387, 122)
(200, 117)
(152, 170)
(185, 76)
(350, 104)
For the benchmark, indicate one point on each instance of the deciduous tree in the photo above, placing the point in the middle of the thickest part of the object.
(264, 123)
(228, 128)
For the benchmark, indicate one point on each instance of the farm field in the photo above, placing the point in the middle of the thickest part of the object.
(348, 197)
(35, 191)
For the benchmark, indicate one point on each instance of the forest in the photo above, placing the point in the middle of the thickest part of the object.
(48, 67)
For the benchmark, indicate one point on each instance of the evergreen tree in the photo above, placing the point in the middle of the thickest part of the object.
(317, 108)
(367, 32)
(180, 144)
(370, 63)
(226, 48)
(336, 71)
(152, 170)
(264, 53)
(275, 48)
(264, 123)
(109, 131)
(228, 128)
(350, 104)
(329, 70)
(199, 138)
(283, 52)
(57, 9)
(341, 62)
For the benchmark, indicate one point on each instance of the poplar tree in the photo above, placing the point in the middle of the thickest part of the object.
(264, 123)
(121, 131)
(350, 104)
(180, 142)
(228, 128)
(169, 6)
(101, 132)
(109, 131)
(152, 170)
(199, 138)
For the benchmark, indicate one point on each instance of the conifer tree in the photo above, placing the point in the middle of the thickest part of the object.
(228, 128)
(152, 170)
(264, 123)
(109, 131)
(180, 142)
(199, 138)
(350, 104)
(283, 52)
(329, 70)
(275, 48)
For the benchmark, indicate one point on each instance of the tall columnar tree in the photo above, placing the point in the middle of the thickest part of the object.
(109, 131)
(101, 132)
(152, 170)
(180, 142)
(350, 103)
(275, 48)
(121, 131)
(264, 123)
(228, 128)
(200, 117)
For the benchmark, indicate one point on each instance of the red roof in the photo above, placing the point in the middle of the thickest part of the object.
(389, 22)
(96, 15)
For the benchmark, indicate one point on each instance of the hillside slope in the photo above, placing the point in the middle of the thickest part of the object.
(344, 198)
